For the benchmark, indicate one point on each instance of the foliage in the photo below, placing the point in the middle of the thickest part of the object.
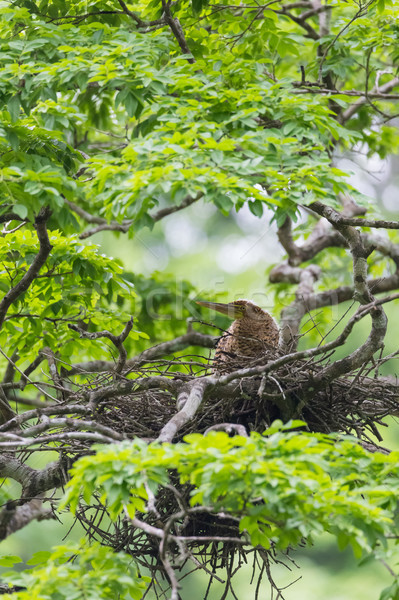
(115, 115)
(284, 486)
(77, 572)
(78, 284)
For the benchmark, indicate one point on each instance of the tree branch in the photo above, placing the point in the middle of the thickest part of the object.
(360, 13)
(301, 21)
(192, 338)
(176, 29)
(4, 218)
(104, 225)
(382, 93)
(34, 481)
(189, 400)
(188, 201)
(37, 264)
(117, 340)
(137, 19)
(292, 315)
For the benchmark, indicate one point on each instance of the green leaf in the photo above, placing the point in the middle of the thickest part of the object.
(39, 557)
(14, 106)
(10, 560)
(256, 208)
(20, 210)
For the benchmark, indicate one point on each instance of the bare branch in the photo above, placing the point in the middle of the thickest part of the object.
(229, 428)
(117, 340)
(321, 238)
(360, 222)
(59, 388)
(292, 315)
(34, 481)
(382, 93)
(104, 225)
(72, 424)
(21, 516)
(301, 21)
(6, 217)
(192, 338)
(84, 214)
(55, 409)
(188, 201)
(316, 89)
(190, 398)
(137, 19)
(6, 413)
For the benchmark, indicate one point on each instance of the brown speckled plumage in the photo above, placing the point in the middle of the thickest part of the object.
(253, 334)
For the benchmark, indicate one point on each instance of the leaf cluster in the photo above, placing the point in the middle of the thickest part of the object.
(77, 571)
(283, 486)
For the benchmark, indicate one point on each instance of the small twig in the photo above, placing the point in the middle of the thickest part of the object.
(24, 377)
(360, 13)
(192, 338)
(59, 387)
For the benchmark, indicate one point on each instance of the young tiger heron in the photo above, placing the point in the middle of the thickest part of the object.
(253, 334)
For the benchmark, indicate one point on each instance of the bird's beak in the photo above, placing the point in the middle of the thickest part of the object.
(232, 311)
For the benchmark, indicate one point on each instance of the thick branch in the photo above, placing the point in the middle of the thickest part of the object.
(37, 264)
(176, 29)
(34, 481)
(362, 293)
(301, 21)
(356, 246)
(292, 315)
(356, 222)
(20, 516)
(140, 23)
(321, 238)
(24, 417)
(5, 218)
(189, 399)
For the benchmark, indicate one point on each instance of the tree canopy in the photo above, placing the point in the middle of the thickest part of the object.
(115, 116)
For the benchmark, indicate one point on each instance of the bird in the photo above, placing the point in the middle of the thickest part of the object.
(252, 335)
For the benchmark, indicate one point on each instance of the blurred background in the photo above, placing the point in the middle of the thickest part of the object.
(225, 258)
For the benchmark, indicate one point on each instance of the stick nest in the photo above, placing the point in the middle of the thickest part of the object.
(353, 404)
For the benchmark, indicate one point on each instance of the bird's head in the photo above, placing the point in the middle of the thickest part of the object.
(237, 309)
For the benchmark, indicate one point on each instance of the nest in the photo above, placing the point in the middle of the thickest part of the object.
(353, 404)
